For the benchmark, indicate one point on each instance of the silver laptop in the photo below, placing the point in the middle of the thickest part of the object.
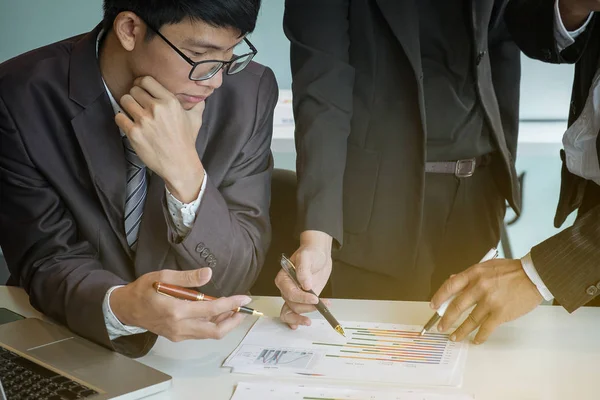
(46, 359)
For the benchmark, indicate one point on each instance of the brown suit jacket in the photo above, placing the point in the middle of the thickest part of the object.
(569, 262)
(62, 189)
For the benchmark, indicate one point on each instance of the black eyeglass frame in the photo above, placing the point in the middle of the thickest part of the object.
(194, 64)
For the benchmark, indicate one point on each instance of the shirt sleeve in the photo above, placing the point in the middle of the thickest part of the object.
(534, 276)
(184, 215)
(114, 327)
(563, 37)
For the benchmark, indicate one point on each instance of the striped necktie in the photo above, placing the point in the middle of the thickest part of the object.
(137, 188)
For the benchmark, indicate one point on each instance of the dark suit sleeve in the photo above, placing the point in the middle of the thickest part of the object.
(531, 23)
(323, 82)
(44, 251)
(232, 226)
(568, 263)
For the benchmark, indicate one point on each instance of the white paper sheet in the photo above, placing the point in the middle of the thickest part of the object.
(277, 391)
(372, 352)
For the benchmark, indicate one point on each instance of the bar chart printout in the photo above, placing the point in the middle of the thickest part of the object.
(276, 391)
(371, 352)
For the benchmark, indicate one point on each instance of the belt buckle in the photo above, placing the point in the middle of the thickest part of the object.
(465, 168)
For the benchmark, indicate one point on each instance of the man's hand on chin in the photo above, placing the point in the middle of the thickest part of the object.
(163, 134)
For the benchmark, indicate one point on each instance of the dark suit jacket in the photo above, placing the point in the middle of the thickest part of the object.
(63, 184)
(569, 262)
(359, 110)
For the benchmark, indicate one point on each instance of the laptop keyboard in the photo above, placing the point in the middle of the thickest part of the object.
(23, 379)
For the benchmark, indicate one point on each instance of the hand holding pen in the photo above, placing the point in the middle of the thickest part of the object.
(138, 304)
(313, 268)
(289, 268)
(496, 292)
(441, 310)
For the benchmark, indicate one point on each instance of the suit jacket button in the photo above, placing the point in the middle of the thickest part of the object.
(205, 253)
(592, 290)
(212, 263)
(210, 258)
(200, 248)
(598, 285)
(480, 57)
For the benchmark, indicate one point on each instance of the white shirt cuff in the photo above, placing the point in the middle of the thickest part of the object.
(563, 37)
(184, 215)
(532, 274)
(114, 327)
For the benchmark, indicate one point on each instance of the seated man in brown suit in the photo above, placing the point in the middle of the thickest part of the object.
(139, 152)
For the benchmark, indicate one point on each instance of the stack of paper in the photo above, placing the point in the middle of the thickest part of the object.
(277, 391)
(372, 352)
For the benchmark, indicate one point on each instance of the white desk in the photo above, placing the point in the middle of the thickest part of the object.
(548, 354)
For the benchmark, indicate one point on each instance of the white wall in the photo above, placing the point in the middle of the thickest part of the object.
(545, 90)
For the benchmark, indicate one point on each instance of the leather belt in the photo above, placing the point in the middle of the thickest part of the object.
(460, 169)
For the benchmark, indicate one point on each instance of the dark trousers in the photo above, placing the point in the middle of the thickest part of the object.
(461, 222)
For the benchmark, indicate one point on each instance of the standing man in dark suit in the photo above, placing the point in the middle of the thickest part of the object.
(136, 153)
(406, 130)
(566, 267)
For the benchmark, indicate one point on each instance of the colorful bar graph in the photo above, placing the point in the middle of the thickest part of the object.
(389, 345)
(370, 352)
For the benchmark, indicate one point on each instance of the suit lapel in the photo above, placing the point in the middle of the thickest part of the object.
(101, 145)
(480, 17)
(97, 133)
(202, 140)
(403, 18)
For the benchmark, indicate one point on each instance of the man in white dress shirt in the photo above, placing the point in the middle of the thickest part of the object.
(565, 268)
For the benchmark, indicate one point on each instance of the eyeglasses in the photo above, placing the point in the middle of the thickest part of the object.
(203, 70)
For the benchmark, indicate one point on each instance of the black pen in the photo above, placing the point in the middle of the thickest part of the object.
(290, 269)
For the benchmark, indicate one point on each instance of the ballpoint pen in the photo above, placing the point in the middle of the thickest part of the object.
(493, 253)
(290, 269)
(182, 293)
